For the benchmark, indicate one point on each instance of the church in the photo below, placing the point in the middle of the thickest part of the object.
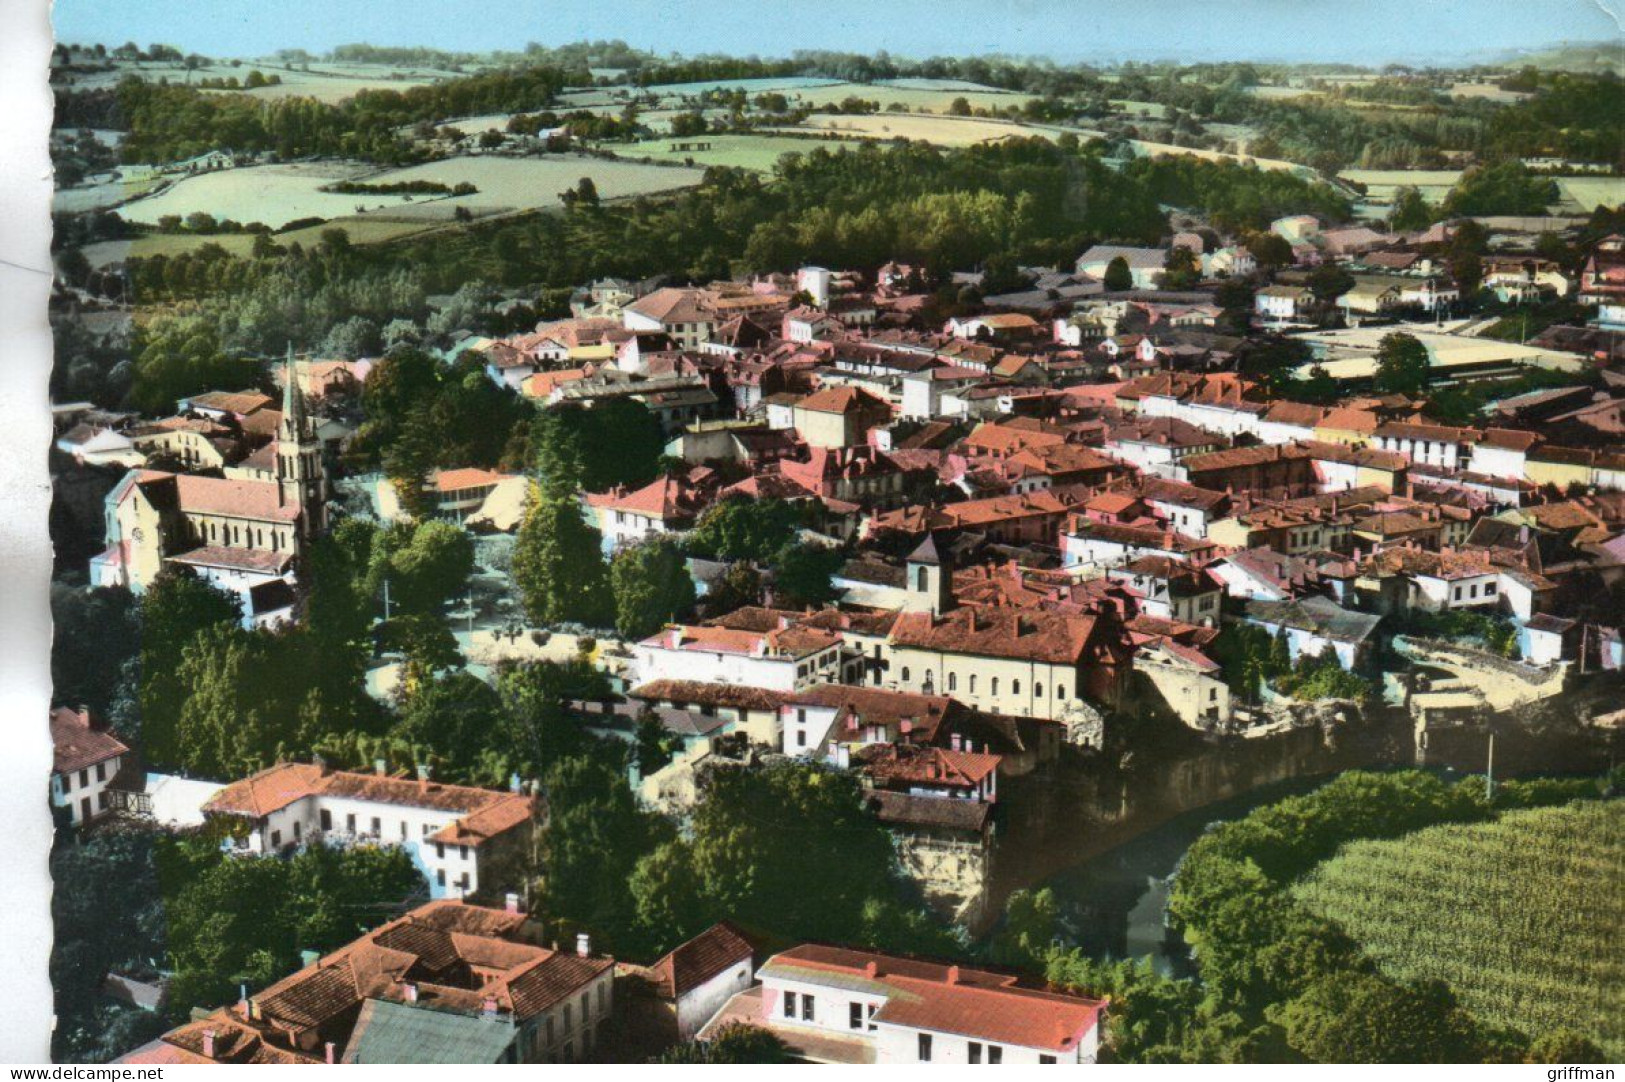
(244, 533)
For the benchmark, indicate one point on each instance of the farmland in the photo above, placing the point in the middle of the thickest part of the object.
(1433, 184)
(1478, 907)
(527, 183)
(373, 229)
(278, 194)
(1588, 193)
(947, 131)
(754, 152)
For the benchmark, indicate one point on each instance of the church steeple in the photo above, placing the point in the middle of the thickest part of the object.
(300, 476)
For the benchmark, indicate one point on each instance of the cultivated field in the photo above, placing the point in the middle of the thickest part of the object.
(374, 229)
(273, 194)
(525, 183)
(928, 99)
(1522, 917)
(1589, 193)
(278, 194)
(947, 131)
(756, 152)
(1433, 184)
(325, 82)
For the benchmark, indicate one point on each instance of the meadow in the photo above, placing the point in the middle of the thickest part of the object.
(754, 152)
(1433, 184)
(279, 194)
(1523, 917)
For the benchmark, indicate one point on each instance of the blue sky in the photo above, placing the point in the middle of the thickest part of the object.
(1360, 31)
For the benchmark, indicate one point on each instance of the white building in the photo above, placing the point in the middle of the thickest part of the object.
(86, 759)
(786, 659)
(464, 840)
(842, 1005)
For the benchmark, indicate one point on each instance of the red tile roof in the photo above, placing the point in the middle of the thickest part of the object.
(976, 1003)
(482, 813)
(81, 742)
(701, 958)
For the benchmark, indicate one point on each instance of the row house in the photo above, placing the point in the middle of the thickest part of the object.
(666, 505)
(467, 842)
(1019, 519)
(1157, 444)
(1087, 543)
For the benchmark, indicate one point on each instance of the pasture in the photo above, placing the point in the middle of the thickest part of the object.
(273, 194)
(758, 153)
(1586, 194)
(1522, 917)
(1381, 184)
(528, 183)
(947, 131)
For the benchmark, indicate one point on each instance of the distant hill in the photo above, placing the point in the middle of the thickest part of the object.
(1588, 57)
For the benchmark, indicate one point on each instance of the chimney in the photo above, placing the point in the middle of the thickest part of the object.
(323, 768)
(332, 1052)
(953, 974)
(489, 1008)
(409, 991)
(872, 970)
(208, 1044)
(423, 777)
(380, 767)
(584, 945)
(511, 903)
(674, 638)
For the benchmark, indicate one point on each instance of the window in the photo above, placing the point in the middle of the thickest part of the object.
(973, 683)
(871, 1017)
(905, 674)
(549, 1029)
(603, 998)
(428, 828)
(995, 1054)
(440, 876)
(276, 839)
(377, 826)
(1489, 589)
(974, 1051)
(67, 783)
(1046, 1059)
(403, 830)
(854, 1015)
(801, 738)
(349, 823)
(84, 779)
(297, 830)
(462, 852)
(439, 851)
(806, 1007)
(101, 771)
(789, 1004)
(567, 1017)
(327, 819)
(1060, 691)
(925, 1048)
(953, 681)
(993, 686)
(1015, 687)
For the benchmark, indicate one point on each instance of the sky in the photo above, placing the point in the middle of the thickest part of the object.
(1355, 31)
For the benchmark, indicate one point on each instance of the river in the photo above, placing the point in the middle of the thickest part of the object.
(1105, 838)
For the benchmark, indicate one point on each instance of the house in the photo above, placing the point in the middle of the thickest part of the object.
(1297, 229)
(1156, 445)
(1189, 684)
(838, 416)
(994, 326)
(788, 658)
(1602, 281)
(1282, 303)
(458, 494)
(687, 315)
(1369, 297)
(1145, 264)
(835, 1005)
(467, 842)
(753, 711)
(1315, 625)
(447, 983)
(625, 516)
(695, 980)
(1171, 589)
(825, 719)
(86, 759)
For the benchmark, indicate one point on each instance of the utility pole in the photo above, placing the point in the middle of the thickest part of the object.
(386, 601)
(1489, 771)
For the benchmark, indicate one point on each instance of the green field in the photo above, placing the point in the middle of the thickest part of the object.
(756, 152)
(1523, 917)
(369, 230)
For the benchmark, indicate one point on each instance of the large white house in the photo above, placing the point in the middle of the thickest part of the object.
(787, 658)
(87, 757)
(464, 840)
(831, 1004)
